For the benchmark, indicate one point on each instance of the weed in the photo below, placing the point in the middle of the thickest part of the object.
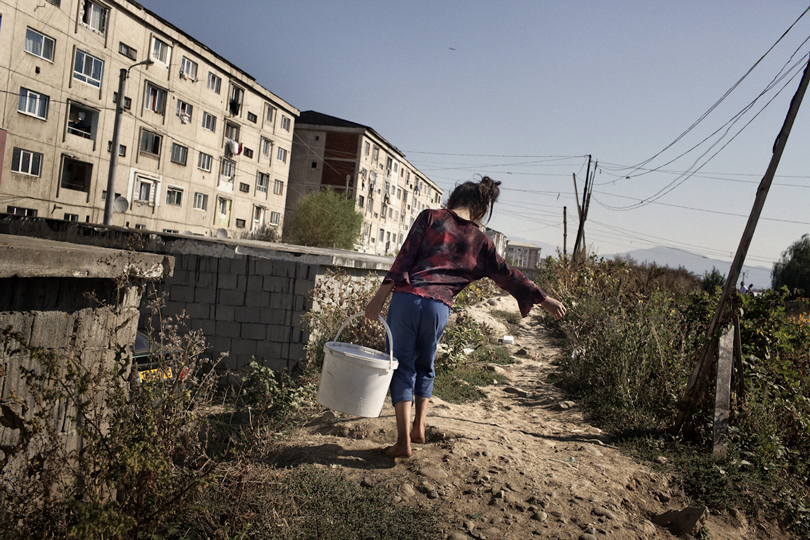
(510, 319)
(461, 385)
(493, 355)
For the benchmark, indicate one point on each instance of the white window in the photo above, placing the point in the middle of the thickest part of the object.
(204, 162)
(258, 216)
(209, 121)
(200, 201)
(262, 182)
(39, 44)
(231, 131)
(161, 52)
(285, 123)
(214, 82)
(71, 217)
(252, 117)
(95, 16)
(275, 218)
(267, 149)
(33, 103)
(155, 99)
(235, 100)
(188, 69)
(145, 190)
(184, 111)
(269, 113)
(375, 154)
(126, 50)
(223, 207)
(282, 155)
(244, 188)
(174, 196)
(179, 154)
(366, 148)
(150, 142)
(278, 187)
(88, 69)
(228, 169)
(25, 162)
(19, 211)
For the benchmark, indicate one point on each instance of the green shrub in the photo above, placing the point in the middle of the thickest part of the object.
(324, 219)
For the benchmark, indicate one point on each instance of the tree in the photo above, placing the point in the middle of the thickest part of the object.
(324, 219)
(793, 269)
(712, 280)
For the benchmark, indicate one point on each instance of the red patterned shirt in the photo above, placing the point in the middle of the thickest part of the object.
(443, 253)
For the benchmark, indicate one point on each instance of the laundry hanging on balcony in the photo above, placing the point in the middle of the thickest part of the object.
(235, 148)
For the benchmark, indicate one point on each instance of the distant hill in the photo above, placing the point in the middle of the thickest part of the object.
(760, 276)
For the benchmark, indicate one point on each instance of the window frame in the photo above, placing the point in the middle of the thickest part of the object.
(285, 123)
(137, 190)
(174, 196)
(42, 101)
(84, 77)
(18, 152)
(212, 121)
(262, 187)
(278, 187)
(103, 18)
(182, 157)
(230, 165)
(156, 138)
(156, 50)
(42, 43)
(281, 154)
(191, 73)
(216, 80)
(200, 201)
(203, 159)
(184, 109)
(275, 218)
(159, 101)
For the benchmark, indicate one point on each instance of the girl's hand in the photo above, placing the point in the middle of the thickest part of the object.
(555, 307)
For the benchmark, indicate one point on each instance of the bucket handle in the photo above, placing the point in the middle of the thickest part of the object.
(387, 331)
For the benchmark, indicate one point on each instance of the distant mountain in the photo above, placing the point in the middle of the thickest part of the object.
(760, 276)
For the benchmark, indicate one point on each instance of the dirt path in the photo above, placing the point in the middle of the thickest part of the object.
(521, 464)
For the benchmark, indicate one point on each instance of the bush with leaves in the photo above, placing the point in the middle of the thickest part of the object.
(324, 219)
(792, 270)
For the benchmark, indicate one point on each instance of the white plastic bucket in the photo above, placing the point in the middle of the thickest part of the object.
(355, 379)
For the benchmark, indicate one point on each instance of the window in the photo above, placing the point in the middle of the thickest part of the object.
(76, 174)
(278, 187)
(285, 123)
(200, 201)
(267, 149)
(161, 52)
(248, 152)
(228, 169)
(26, 162)
(171, 231)
(252, 117)
(314, 164)
(82, 121)
(174, 196)
(209, 122)
(145, 190)
(258, 216)
(95, 16)
(155, 100)
(366, 148)
(126, 50)
(88, 69)
(275, 218)
(127, 101)
(33, 103)
(39, 44)
(223, 207)
(17, 211)
(179, 154)
(244, 188)
(150, 142)
(204, 162)
(282, 155)
(240, 223)
(235, 100)
(140, 227)
(184, 111)
(71, 217)
(188, 69)
(269, 113)
(214, 82)
(231, 131)
(375, 154)
(122, 150)
(262, 182)
(360, 201)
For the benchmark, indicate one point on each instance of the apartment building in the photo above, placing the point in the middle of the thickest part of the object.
(354, 159)
(203, 148)
(524, 255)
(498, 239)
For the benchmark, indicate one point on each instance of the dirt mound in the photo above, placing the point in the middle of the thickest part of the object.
(521, 464)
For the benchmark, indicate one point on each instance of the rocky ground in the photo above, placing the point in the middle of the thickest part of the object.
(521, 464)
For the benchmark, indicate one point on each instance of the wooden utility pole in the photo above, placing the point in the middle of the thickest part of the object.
(565, 229)
(697, 380)
(579, 244)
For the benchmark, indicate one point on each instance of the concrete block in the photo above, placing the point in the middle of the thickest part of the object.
(262, 267)
(268, 349)
(281, 301)
(243, 346)
(181, 293)
(208, 264)
(204, 279)
(254, 331)
(226, 281)
(284, 269)
(237, 265)
(241, 281)
(187, 262)
(228, 329)
(255, 284)
(303, 287)
(181, 277)
(198, 311)
(232, 298)
(301, 303)
(220, 344)
(257, 299)
(205, 296)
(208, 327)
(305, 272)
(276, 284)
(224, 312)
(281, 316)
(278, 334)
(51, 329)
(297, 352)
(247, 315)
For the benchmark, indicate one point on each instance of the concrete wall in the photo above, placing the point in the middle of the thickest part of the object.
(246, 296)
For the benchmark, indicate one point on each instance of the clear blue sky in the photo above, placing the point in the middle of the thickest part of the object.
(524, 91)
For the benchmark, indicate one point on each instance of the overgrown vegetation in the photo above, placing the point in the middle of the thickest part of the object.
(324, 219)
(632, 335)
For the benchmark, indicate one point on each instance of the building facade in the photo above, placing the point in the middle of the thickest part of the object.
(354, 159)
(203, 148)
(499, 239)
(524, 255)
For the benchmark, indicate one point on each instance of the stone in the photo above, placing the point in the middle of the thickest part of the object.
(681, 522)
(587, 536)
(660, 460)
(457, 536)
(434, 473)
(540, 516)
(328, 416)
(407, 490)
(519, 391)
(366, 482)
(433, 494)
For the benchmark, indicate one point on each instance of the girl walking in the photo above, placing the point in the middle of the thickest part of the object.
(444, 252)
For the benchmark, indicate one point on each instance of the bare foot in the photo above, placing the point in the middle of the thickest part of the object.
(396, 451)
(415, 438)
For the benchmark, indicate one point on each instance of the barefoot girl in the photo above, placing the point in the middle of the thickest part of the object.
(444, 252)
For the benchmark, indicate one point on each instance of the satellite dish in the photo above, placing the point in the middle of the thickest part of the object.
(222, 233)
(120, 204)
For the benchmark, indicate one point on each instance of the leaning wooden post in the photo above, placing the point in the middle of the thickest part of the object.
(722, 396)
(697, 380)
(738, 365)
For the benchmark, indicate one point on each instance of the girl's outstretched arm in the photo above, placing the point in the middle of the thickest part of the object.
(374, 307)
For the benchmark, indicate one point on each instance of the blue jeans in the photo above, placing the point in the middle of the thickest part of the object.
(417, 325)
